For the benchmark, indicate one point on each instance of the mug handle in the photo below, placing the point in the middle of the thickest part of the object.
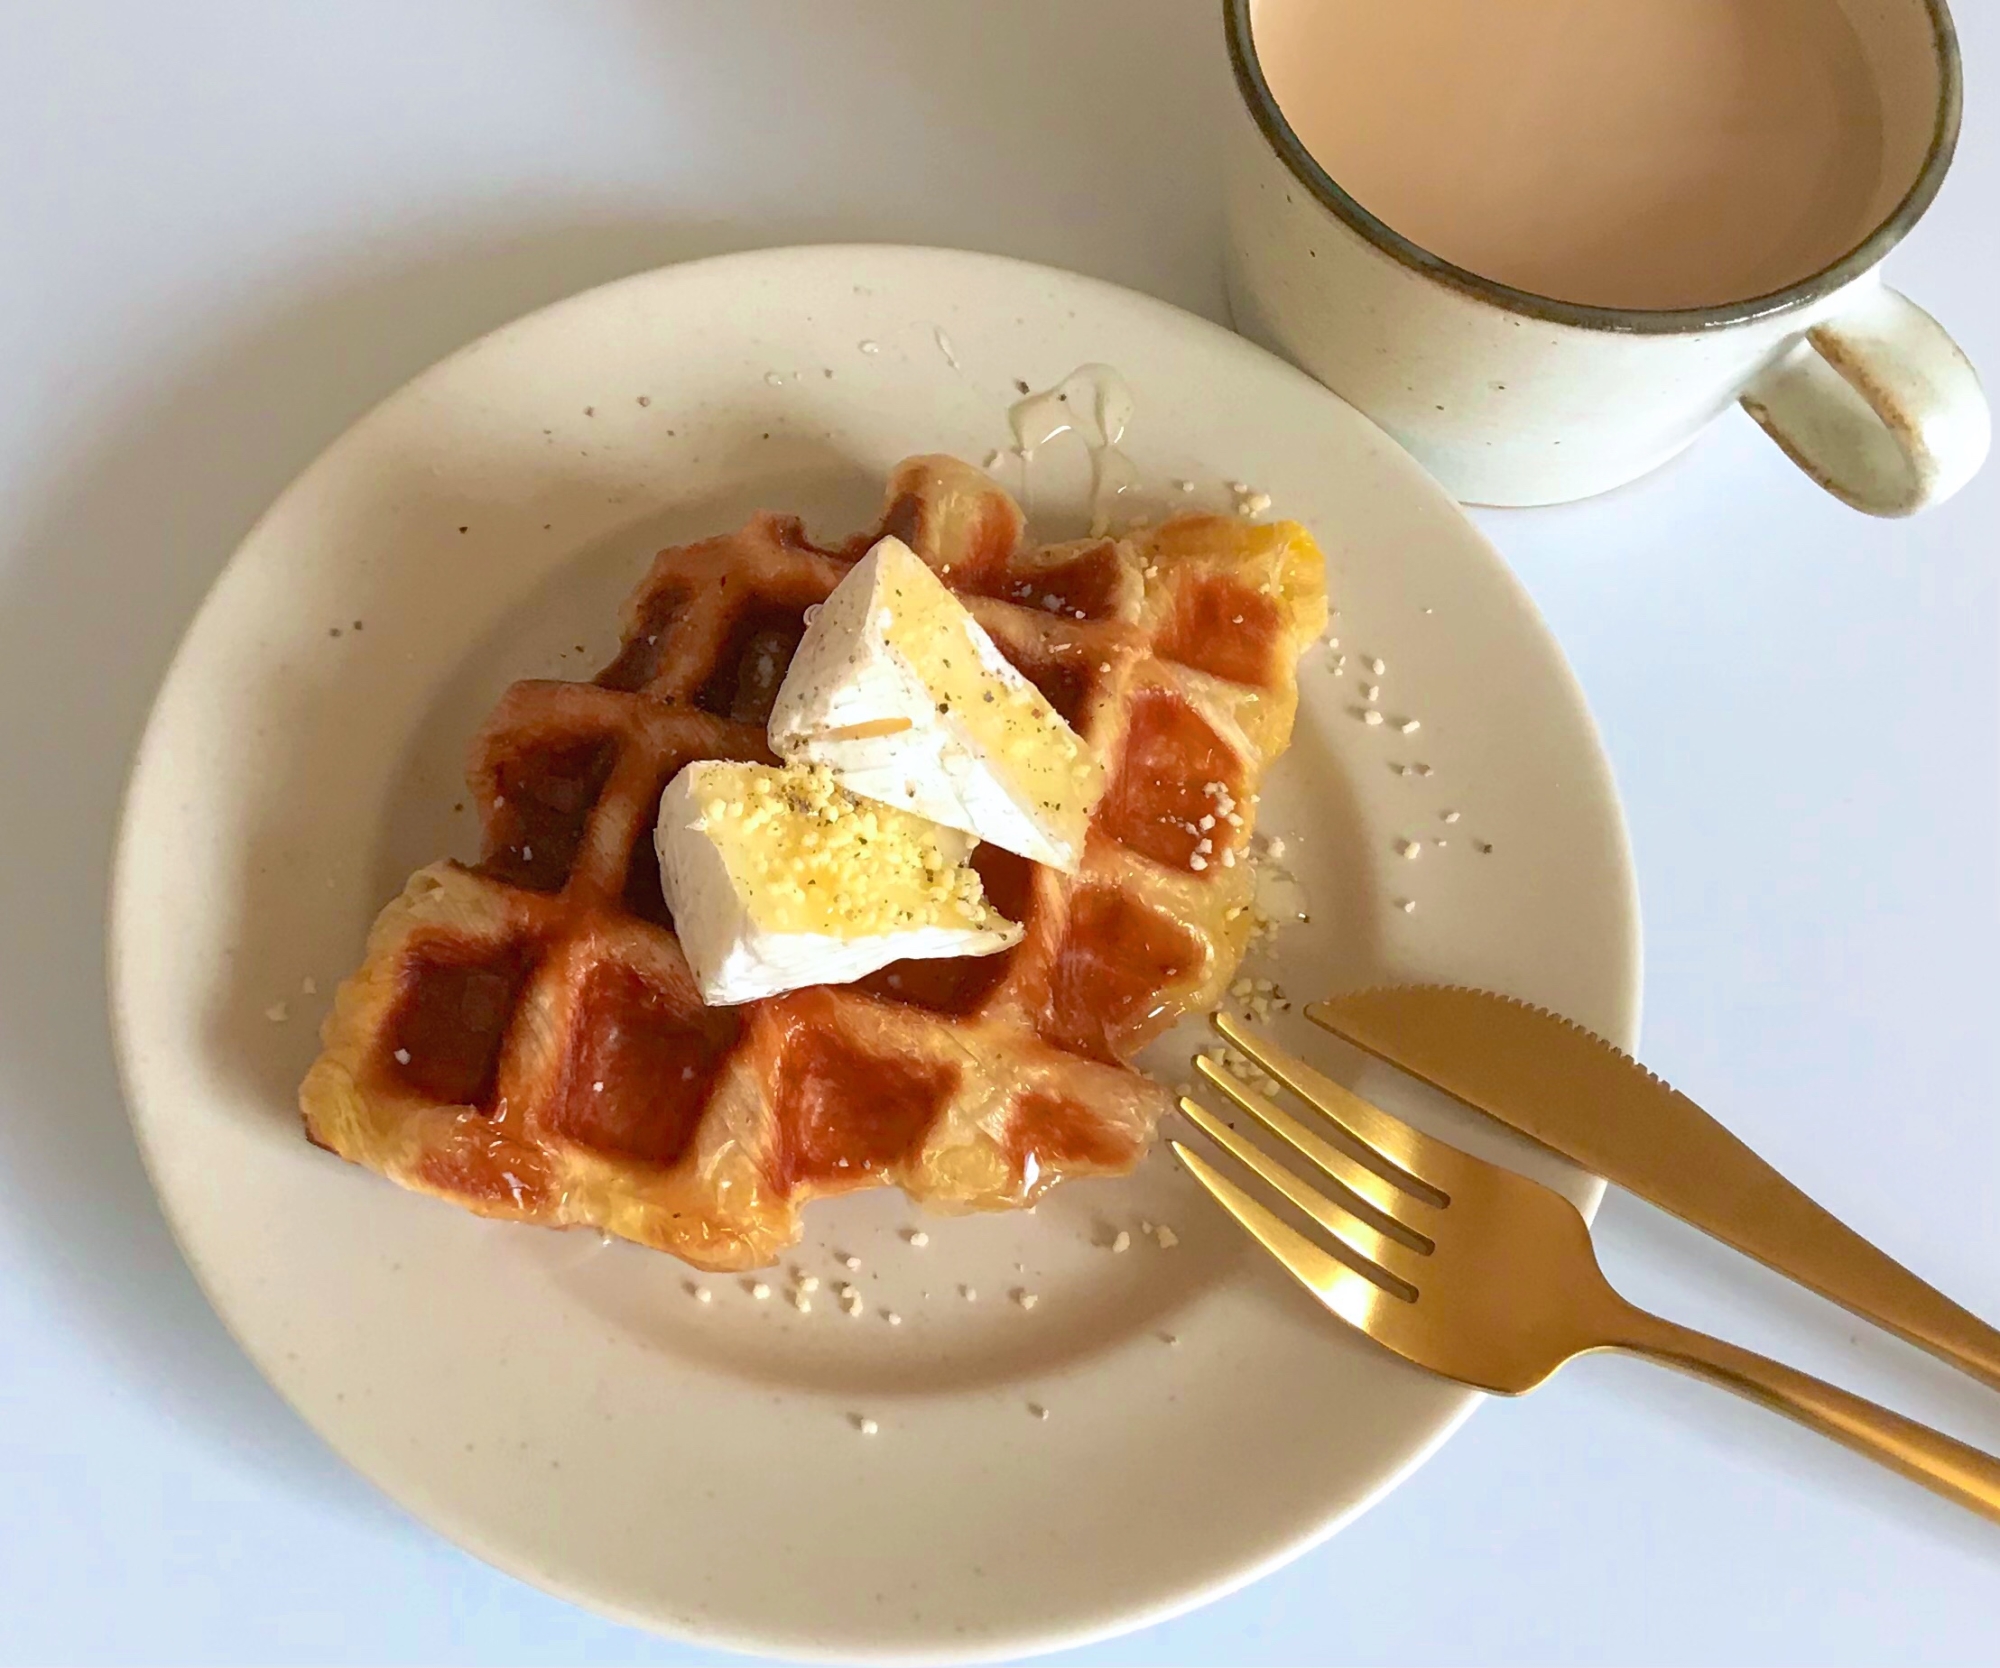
(1878, 405)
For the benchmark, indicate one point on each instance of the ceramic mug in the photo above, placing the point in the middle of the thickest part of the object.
(1513, 398)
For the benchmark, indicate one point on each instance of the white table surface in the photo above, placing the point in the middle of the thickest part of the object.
(226, 229)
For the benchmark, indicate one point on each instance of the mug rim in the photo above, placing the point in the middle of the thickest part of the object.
(1278, 133)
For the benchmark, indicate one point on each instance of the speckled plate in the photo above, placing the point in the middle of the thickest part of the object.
(569, 1410)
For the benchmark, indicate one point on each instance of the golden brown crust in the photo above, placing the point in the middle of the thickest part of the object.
(524, 1038)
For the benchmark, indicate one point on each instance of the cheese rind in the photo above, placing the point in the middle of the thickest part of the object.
(781, 878)
(901, 693)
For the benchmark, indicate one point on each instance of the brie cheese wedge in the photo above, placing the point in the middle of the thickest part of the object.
(781, 878)
(901, 694)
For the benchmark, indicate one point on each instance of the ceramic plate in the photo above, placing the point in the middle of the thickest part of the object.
(567, 1409)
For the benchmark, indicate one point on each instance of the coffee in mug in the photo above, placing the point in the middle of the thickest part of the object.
(1545, 242)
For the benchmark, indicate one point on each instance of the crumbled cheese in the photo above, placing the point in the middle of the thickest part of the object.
(277, 1012)
(1412, 849)
(1166, 1237)
(866, 1426)
(1246, 1070)
(1410, 726)
(1372, 716)
(759, 1290)
(1026, 1299)
(402, 1056)
(892, 1317)
(917, 1237)
(307, 987)
(1121, 1241)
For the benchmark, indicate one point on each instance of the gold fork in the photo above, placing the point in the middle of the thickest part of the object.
(1481, 1275)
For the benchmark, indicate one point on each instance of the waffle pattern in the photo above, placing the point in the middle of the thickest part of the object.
(524, 1037)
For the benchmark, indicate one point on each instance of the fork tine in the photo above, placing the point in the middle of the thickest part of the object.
(1347, 1292)
(1402, 1212)
(1418, 1163)
(1389, 1263)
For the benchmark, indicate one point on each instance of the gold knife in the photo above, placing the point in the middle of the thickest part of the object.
(1570, 1090)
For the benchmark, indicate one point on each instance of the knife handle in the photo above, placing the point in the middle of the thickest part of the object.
(1961, 1473)
(1735, 1196)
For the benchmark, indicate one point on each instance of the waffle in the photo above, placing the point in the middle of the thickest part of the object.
(524, 1037)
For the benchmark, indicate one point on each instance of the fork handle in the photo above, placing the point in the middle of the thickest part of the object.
(1941, 1464)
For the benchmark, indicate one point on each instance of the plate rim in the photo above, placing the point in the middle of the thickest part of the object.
(471, 1535)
